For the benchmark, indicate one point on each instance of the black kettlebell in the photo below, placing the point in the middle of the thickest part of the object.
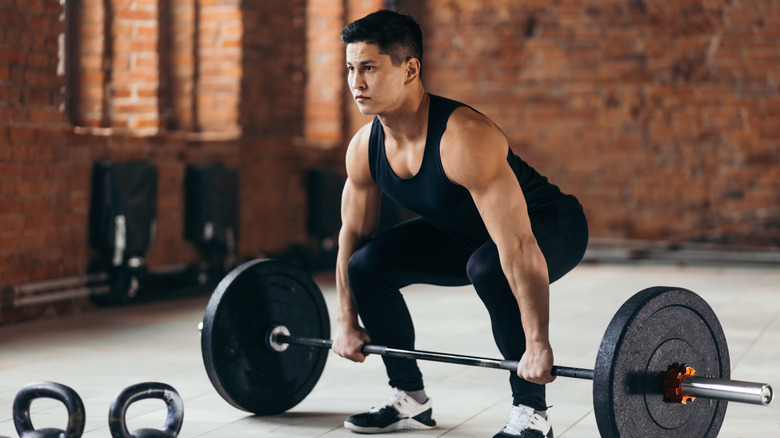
(69, 397)
(118, 410)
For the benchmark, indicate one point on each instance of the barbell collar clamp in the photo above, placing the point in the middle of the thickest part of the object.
(272, 339)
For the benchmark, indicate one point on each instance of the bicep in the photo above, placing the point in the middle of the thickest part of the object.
(501, 204)
(360, 197)
(359, 208)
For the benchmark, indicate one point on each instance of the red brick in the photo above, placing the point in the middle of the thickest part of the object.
(221, 15)
(37, 96)
(147, 62)
(34, 171)
(121, 92)
(10, 205)
(147, 31)
(126, 77)
(142, 123)
(8, 171)
(144, 93)
(45, 115)
(22, 135)
(11, 240)
(136, 14)
(12, 56)
(135, 109)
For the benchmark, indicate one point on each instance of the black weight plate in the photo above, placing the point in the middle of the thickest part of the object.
(246, 303)
(654, 329)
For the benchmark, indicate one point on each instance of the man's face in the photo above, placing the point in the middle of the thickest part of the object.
(376, 84)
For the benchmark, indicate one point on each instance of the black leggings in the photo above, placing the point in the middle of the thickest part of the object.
(416, 252)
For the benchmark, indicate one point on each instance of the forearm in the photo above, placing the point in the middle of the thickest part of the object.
(526, 272)
(349, 336)
(346, 314)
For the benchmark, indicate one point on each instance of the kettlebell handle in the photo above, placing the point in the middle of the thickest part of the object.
(117, 413)
(57, 391)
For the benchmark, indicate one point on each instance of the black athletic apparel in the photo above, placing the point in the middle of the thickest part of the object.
(432, 195)
(449, 246)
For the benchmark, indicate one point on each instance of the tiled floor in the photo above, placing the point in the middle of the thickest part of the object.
(100, 353)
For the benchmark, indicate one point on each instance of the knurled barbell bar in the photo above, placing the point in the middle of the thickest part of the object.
(680, 384)
(642, 381)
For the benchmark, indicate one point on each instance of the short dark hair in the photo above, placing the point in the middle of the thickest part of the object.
(396, 34)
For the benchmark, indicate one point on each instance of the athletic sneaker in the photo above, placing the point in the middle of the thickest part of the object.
(397, 412)
(525, 423)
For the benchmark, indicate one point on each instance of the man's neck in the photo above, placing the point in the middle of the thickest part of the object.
(410, 120)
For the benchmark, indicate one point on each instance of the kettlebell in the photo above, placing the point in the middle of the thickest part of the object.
(69, 397)
(117, 421)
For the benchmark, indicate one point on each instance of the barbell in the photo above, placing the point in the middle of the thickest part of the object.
(663, 348)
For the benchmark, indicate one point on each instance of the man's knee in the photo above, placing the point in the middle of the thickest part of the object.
(477, 272)
(363, 268)
(486, 275)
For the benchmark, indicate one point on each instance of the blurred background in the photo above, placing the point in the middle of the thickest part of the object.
(147, 146)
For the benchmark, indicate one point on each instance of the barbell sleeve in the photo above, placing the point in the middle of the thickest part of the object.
(729, 390)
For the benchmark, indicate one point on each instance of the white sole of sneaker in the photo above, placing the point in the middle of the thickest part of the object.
(406, 423)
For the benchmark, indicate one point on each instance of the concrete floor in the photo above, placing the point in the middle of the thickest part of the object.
(101, 352)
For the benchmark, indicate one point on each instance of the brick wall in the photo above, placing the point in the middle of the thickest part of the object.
(35, 192)
(662, 117)
(142, 91)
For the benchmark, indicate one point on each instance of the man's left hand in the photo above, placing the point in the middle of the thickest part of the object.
(536, 364)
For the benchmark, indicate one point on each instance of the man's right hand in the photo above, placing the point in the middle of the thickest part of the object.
(348, 342)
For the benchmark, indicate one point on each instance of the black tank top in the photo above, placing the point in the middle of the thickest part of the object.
(429, 193)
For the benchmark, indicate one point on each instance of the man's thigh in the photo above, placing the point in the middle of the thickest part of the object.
(417, 252)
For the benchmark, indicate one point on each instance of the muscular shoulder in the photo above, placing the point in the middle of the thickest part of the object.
(357, 156)
(472, 147)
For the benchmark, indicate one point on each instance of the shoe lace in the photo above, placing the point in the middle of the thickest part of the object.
(524, 418)
(518, 420)
(397, 397)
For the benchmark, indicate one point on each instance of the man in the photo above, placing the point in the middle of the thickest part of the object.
(486, 218)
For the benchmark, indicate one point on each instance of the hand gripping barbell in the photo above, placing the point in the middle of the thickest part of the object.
(663, 348)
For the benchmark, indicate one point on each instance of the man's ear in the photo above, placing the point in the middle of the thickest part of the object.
(412, 70)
